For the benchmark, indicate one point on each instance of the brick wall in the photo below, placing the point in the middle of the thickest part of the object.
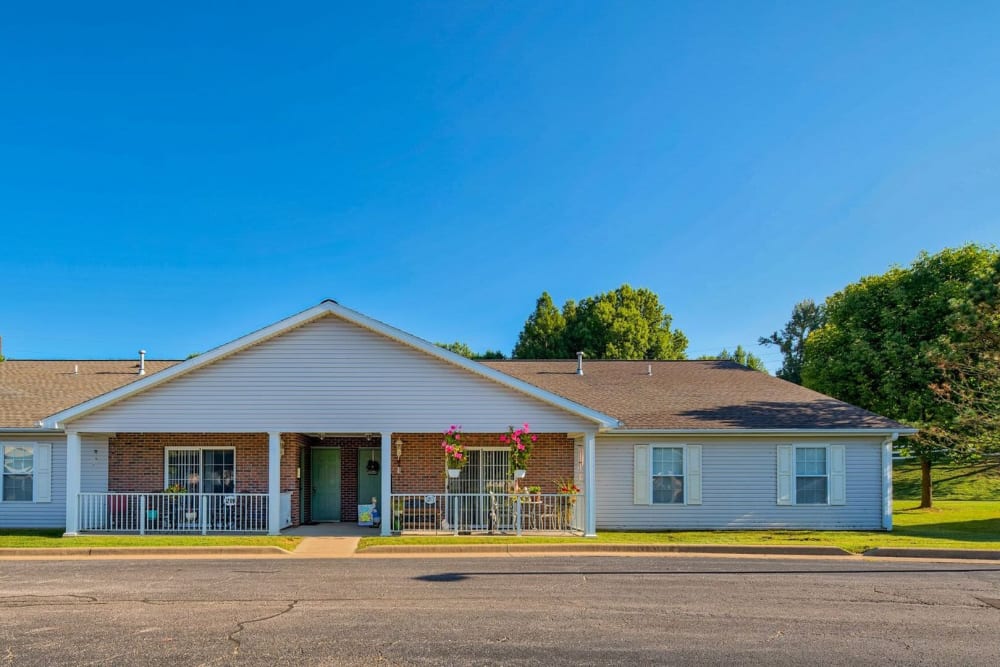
(136, 460)
(421, 468)
(294, 445)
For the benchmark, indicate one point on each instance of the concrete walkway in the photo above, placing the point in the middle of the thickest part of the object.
(327, 547)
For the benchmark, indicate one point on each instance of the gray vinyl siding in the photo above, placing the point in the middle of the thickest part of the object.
(93, 464)
(329, 376)
(739, 488)
(39, 515)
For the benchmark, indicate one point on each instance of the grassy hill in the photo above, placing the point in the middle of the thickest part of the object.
(980, 481)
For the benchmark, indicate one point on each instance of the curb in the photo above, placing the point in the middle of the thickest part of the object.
(167, 552)
(969, 554)
(752, 550)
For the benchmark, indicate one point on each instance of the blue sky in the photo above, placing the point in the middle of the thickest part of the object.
(174, 177)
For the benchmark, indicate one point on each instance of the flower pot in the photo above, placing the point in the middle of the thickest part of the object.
(519, 474)
(454, 472)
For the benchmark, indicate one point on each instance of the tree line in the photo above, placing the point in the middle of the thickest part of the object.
(918, 344)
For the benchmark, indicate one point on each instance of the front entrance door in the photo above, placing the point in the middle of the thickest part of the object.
(370, 476)
(325, 484)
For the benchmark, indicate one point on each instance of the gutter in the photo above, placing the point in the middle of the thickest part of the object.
(893, 433)
(31, 431)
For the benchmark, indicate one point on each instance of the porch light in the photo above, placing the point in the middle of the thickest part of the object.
(399, 449)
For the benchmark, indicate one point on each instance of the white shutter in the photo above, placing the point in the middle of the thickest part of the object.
(786, 477)
(641, 481)
(43, 473)
(838, 475)
(692, 474)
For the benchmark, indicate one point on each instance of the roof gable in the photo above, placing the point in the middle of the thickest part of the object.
(297, 368)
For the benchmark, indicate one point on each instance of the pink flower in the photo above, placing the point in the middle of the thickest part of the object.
(534, 438)
(451, 428)
(458, 436)
(525, 426)
(503, 438)
(458, 455)
(444, 443)
(520, 447)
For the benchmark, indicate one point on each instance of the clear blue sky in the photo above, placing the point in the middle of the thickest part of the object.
(173, 177)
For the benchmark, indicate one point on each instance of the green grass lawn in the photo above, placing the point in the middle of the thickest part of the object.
(952, 524)
(53, 539)
(977, 481)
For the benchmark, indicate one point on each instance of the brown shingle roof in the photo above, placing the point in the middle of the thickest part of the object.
(678, 395)
(32, 390)
(691, 395)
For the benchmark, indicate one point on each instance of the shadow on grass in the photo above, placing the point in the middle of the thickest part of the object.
(979, 530)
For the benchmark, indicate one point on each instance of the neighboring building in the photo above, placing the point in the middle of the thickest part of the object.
(309, 418)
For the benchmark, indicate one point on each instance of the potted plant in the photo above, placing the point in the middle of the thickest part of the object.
(567, 487)
(520, 441)
(454, 451)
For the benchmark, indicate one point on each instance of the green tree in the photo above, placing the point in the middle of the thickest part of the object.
(626, 323)
(742, 357)
(806, 317)
(879, 346)
(543, 334)
(463, 349)
(969, 362)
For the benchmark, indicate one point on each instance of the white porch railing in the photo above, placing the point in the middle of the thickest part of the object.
(503, 513)
(161, 513)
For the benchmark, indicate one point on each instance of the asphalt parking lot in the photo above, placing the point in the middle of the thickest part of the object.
(554, 610)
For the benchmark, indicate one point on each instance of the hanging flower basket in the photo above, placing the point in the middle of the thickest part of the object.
(520, 441)
(454, 450)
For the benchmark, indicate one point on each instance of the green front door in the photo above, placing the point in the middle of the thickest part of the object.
(369, 485)
(325, 484)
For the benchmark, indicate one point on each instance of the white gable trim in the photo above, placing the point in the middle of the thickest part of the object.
(325, 308)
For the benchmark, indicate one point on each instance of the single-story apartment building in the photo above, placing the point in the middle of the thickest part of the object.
(323, 414)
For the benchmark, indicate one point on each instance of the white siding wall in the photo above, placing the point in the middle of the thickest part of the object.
(39, 515)
(328, 376)
(739, 488)
(93, 464)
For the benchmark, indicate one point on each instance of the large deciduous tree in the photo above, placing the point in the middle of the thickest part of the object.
(806, 317)
(880, 346)
(625, 323)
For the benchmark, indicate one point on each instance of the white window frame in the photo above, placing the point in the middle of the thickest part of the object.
(683, 476)
(201, 463)
(39, 477)
(795, 474)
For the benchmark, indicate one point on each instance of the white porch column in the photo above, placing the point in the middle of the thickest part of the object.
(72, 482)
(386, 510)
(273, 483)
(590, 483)
(887, 484)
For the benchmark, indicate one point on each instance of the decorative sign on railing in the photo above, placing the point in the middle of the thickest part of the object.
(173, 513)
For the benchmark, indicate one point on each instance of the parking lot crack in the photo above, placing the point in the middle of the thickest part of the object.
(234, 635)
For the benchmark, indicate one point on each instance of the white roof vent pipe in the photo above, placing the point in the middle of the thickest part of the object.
(649, 370)
(579, 363)
(142, 362)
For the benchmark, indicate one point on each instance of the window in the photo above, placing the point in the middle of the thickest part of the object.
(668, 474)
(664, 475)
(202, 470)
(811, 477)
(18, 473)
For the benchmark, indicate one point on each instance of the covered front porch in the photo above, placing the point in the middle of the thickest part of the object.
(262, 483)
